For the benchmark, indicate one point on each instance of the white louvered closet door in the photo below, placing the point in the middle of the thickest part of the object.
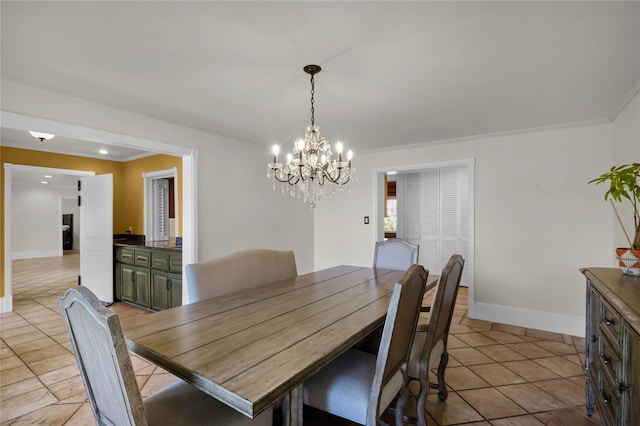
(161, 209)
(436, 215)
(411, 205)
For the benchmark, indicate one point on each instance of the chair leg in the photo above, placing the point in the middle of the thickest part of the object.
(402, 400)
(422, 398)
(443, 392)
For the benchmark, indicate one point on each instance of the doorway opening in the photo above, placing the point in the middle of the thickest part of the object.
(188, 155)
(34, 218)
(430, 205)
(160, 198)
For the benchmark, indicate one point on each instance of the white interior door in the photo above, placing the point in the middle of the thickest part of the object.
(96, 235)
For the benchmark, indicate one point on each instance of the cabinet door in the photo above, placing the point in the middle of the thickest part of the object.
(633, 386)
(176, 290)
(166, 290)
(159, 290)
(592, 338)
(127, 278)
(142, 287)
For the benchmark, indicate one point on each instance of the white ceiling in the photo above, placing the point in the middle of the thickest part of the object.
(394, 73)
(65, 145)
(33, 176)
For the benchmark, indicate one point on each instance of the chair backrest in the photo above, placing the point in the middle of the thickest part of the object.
(103, 359)
(444, 301)
(238, 271)
(397, 335)
(396, 254)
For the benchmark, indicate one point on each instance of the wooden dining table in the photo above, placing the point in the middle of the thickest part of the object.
(254, 347)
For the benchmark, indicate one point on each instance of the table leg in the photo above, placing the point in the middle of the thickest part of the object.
(292, 407)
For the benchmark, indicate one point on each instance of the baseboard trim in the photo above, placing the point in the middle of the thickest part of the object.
(6, 304)
(540, 320)
(35, 254)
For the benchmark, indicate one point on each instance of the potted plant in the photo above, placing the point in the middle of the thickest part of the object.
(624, 184)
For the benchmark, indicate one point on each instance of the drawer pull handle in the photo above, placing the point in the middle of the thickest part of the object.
(606, 360)
(609, 322)
(606, 398)
(620, 387)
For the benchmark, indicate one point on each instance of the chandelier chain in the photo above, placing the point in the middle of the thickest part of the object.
(313, 90)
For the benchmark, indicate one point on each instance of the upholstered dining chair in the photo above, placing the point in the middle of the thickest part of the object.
(238, 271)
(395, 253)
(430, 344)
(358, 385)
(110, 383)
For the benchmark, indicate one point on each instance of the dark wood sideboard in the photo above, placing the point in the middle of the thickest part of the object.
(612, 356)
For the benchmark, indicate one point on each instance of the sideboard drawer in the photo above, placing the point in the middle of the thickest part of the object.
(167, 261)
(609, 359)
(125, 255)
(610, 322)
(160, 260)
(142, 258)
(610, 402)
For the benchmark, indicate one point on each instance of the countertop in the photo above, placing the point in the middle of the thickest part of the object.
(156, 245)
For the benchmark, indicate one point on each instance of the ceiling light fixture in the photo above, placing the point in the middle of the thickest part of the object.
(48, 176)
(42, 136)
(311, 169)
(103, 151)
(44, 182)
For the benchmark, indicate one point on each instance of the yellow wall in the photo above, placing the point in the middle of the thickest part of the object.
(134, 193)
(128, 185)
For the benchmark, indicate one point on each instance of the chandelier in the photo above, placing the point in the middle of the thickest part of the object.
(311, 172)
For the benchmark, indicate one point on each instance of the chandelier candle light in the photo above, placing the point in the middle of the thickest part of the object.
(311, 170)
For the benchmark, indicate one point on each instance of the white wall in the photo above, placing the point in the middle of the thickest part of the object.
(36, 220)
(536, 220)
(236, 207)
(626, 149)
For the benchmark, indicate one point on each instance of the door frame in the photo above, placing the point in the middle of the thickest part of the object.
(189, 173)
(378, 197)
(149, 177)
(6, 302)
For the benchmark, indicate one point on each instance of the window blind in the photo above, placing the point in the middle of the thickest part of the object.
(161, 209)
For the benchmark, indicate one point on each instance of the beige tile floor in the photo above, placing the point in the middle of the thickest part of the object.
(498, 374)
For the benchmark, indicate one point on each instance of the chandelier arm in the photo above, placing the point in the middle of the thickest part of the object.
(287, 180)
(331, 178)
(337, 180)
(290, 180)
